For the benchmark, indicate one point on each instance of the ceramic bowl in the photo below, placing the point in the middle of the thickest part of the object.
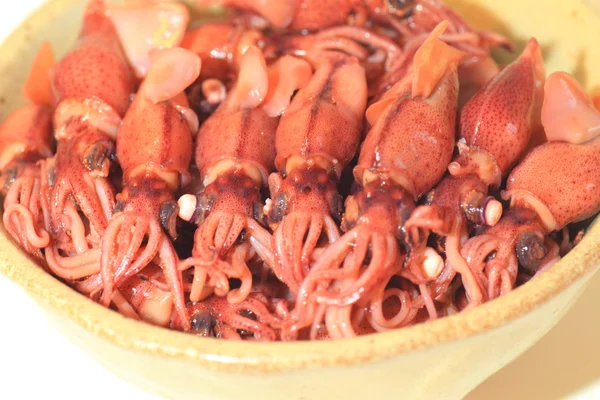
(442, 359)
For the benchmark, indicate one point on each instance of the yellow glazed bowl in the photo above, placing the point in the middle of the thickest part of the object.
(446, 358)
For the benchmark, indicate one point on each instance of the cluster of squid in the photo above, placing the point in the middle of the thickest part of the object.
(359, 165)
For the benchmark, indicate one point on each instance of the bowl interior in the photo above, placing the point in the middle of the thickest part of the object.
(572, 48)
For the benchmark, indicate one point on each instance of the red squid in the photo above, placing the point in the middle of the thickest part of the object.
(92, 84)
(25, 141)
(317, 137)
(556, 184)
(417, 116)
(154, 149)
(421, 17)
(495, 129)
(235, 151)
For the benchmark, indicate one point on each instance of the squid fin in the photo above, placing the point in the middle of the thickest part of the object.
(568, 113)
(37, 87)
(171, 72)
(431, 62)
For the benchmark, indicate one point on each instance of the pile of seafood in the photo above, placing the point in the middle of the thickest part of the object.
(294, 170)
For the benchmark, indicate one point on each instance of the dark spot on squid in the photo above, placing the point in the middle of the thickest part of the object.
(203, 323)
(120, 206)
(51, 176)
(530, 251)
(96, 155)
(368, 256)
(248, 314)
(473, 205)
(278, 208)
(257, 211)
(336, 207)
(168, 218)
(429, 198)
(404, 246)
(10, 176)
(198, 102)
(522, 216)
(241, 237)
(203, 206)
(403, 237)
(403, 213)
(305, 189)
(401, 8)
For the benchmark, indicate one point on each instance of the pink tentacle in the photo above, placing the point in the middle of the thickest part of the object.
(312, 238)
(405, 314)
(74, 267)
(170, 263)
(261, 240)
(242, 272)
(458, 263)
(206, 272)
(222, 232)
(155, 235)
(429, 304)
(28, 226)
(76, 228)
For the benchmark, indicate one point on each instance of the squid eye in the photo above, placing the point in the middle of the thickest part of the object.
(203, 324)
(98, 156)
(429, 197)
(51, 176)
(400, 8)
(278, 208)
(336, 206)
(530, 251)
(257, 211)
(120, 206)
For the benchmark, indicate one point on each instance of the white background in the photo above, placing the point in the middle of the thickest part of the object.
(37, 362)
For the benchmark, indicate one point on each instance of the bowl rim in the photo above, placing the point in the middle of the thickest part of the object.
(261, 358)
